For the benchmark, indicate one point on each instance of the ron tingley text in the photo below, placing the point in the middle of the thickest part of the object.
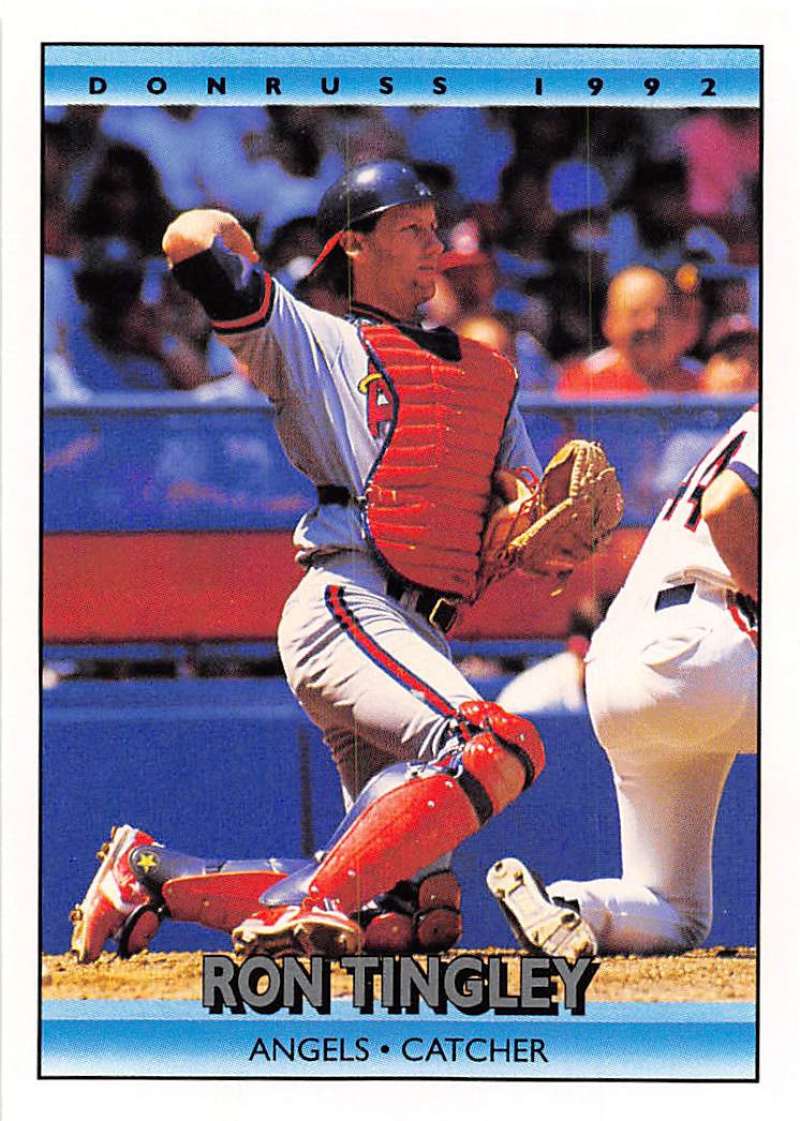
(470, 984)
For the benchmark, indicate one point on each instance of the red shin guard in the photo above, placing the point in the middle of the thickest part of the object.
(400, 832)
(220, 900)
(433, 810)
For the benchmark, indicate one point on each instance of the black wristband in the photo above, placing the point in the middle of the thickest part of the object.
(228, 287)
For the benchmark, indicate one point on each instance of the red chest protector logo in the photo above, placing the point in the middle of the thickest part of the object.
(380, 408)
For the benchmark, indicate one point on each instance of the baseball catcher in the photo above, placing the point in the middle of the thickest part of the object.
(427, 491)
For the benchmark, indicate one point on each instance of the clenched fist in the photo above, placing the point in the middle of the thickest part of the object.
(193, 231)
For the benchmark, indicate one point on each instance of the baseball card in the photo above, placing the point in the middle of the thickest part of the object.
(400, 559)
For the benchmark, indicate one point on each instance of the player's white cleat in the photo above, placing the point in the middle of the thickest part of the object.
(305, 929)
(540, 924)
(113, 895)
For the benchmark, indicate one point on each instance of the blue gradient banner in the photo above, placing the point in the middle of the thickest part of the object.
(415, 56)
(179, 1039)
(402, 76)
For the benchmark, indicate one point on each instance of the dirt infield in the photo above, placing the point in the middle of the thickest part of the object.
(715, 974)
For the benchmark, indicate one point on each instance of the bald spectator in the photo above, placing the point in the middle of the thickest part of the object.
(640, 311)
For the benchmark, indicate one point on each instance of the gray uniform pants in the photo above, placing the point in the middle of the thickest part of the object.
(369, 671)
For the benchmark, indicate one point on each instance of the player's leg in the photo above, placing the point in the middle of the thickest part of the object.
(671, 723)
(140, 883)
(418, 915)
(406, 817)
(380, 684)
(360, 662)
(663, 901)
(376, 678)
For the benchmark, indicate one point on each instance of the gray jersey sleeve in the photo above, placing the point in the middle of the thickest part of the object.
(288, 355)
(283, 344)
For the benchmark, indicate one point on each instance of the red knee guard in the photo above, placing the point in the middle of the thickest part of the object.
(501, 776)
(516, 733)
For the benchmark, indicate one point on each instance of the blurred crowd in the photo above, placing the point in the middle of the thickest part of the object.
(605, 251)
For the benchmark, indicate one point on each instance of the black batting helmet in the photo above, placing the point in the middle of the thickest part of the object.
(364, 192)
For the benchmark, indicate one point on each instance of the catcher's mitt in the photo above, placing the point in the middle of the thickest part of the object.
(549, 529)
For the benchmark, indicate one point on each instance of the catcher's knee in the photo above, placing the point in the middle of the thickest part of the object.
(503, 752)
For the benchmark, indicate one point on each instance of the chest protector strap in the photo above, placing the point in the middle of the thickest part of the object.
(428, 494)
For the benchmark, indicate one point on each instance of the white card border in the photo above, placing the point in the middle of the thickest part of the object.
(775, 25)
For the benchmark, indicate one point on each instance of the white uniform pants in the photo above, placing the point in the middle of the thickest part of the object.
(673, 698)
(372, 674)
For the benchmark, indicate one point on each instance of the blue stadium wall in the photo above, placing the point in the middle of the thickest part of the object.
(231, 769)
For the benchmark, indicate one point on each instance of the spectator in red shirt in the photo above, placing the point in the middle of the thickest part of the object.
(639, 324)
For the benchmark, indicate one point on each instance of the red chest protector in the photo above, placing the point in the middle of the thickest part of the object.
(428, 494)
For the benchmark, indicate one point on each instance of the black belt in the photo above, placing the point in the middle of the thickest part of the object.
(440, 611)
(436, 608)
(673, 597)
(333, 496)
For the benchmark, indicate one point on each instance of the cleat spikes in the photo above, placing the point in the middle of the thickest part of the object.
(540, 925)
(112, 896)
(298, 931)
